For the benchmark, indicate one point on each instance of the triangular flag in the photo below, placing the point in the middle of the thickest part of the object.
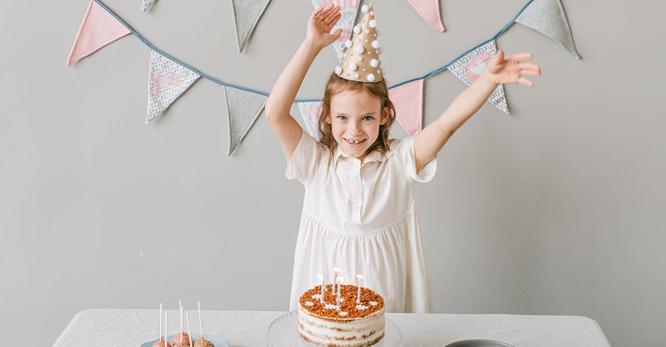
(98, 29)
(429, 10)
(348, 11)
(167, 80)
(470, 66)
(408, 102)
(246, 15)
(548, 18)
(310, 115)
(146, 5)
(243, 110)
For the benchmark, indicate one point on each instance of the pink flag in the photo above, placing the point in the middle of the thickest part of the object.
(98, 29)
(408, 102)
(429, 10)
(310, 114)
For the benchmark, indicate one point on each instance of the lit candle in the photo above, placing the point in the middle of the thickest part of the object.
(339, 298)
(336, 271)
(321, 292)
(358, 292)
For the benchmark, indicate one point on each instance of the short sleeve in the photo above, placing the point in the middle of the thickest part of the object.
(405, 154)
(304, 162)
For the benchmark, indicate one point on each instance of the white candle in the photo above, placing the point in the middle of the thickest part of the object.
(336, 271)
(180, 333)
(359, 277)
(160, 321)
(187, 319)
(321, 291)
(166, 329)
(200, 323)
(339, 299)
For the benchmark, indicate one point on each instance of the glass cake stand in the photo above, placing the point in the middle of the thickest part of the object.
(283, 331)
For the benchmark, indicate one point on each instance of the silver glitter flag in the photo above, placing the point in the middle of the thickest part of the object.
(548, 18)
(246, 16)
(310, 115)
(167, 80)
(243, 110)
(146, 5)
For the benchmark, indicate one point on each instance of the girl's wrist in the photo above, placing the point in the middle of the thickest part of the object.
(311, 45)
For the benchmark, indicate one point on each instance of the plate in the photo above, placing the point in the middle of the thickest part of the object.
(479, 343)
(283, 331)
(217, 341)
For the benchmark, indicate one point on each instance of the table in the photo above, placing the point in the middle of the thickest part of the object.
(131, 327)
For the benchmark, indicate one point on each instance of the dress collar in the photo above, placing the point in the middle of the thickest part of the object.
(373, 156)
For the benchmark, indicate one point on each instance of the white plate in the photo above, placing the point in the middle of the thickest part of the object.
(217, 341)
(283, 331)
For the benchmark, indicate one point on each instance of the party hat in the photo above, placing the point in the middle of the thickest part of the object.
(360, 61)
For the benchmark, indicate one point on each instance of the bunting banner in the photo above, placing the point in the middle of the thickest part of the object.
(169, 77)
(97, 30)
(243, 110)
(470, 66)
(548, 18)
(408, 103)
(167, 80)
(147, 5)
(429, 11)
(348, 11)
(246, 16)
(309, 111)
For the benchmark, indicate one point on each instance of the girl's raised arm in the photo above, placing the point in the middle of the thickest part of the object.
(284, 91)
(511, 69)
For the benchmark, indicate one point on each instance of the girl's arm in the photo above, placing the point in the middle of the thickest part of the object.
(285, 89)
(500, 70)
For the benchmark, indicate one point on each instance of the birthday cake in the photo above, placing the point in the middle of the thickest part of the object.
(339, 318)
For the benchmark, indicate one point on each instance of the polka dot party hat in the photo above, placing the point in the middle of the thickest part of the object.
(360, 61)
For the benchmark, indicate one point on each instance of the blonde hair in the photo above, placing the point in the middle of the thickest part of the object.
(337, 84)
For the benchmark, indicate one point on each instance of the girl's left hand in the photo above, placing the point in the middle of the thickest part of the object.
(512, 69)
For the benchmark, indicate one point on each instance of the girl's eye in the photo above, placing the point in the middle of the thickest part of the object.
(341, 117)
(368, 118)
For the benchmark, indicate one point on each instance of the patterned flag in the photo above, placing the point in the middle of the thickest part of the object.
(469, 67)
(167, 80)
(429, 11)
(310, 115)
(548, 18)
(408, 102)
(246, 16)
(243, 110)
(348, 9)
(146, 5)
(97, 30)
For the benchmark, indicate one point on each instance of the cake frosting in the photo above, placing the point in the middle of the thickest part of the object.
(343, 323)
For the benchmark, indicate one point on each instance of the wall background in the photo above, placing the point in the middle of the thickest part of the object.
(556, 209)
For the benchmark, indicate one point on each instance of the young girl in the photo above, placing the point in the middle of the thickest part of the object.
(358, 211)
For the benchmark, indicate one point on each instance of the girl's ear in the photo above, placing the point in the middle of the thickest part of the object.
(385, 116)
(327, 119)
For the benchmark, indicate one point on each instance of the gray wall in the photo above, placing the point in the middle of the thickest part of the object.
(556, 209)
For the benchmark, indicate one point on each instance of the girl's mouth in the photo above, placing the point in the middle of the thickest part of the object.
(355, 142)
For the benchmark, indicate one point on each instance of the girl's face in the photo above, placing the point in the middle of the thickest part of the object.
(355, 119)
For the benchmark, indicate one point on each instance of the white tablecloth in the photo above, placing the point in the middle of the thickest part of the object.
(125, 327)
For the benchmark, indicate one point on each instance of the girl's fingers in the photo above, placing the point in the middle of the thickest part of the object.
(333, 19)
(331, 14)
(329, 10)
(530, 73)
(525, 82)
(520, 57)
(322, 10)
(533, 68)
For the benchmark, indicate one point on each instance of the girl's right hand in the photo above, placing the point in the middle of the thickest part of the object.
(320, 24)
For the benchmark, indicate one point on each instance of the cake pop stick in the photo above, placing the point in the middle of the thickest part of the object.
(189, 333)
(336, 271)
(321, 292)
(200, 323)
(339, 298)
(359, 277)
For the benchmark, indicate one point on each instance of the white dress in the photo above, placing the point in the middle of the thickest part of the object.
(360, 217)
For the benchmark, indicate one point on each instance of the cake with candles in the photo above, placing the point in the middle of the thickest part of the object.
(341, 315)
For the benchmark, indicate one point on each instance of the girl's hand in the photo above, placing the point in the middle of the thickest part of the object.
(512, 69)
(320, 24)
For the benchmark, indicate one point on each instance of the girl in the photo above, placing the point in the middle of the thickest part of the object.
(358, 211)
